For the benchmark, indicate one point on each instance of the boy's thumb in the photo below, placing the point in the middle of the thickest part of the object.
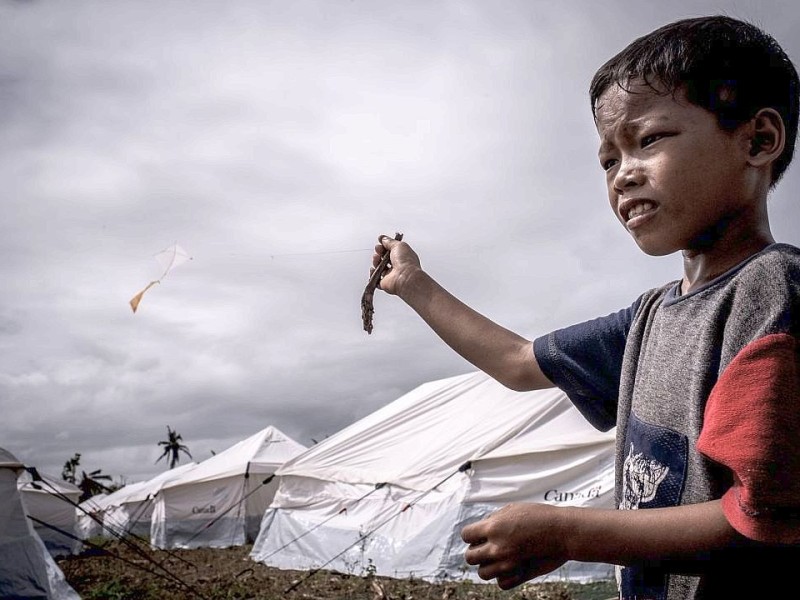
(383, 239)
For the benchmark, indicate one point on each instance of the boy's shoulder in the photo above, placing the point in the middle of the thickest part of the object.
(758, 297)
(780, 251)
(777, 266)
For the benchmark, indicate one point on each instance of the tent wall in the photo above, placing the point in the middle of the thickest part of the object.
(130, 518)
(52, 501)
(90, 517)
(582, 477)
(353, 528)
(212, 514)
(57, 512)
(128, 510)
(26, 568)
(22, 570)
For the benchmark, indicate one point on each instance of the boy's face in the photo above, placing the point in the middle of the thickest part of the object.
(674, 177)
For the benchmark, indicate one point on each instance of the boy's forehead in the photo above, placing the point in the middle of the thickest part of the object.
(630, 99)
(627, 106)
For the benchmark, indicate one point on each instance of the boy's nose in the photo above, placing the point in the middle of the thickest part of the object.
(629, 175)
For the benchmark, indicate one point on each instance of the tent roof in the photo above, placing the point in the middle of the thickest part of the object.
(121, 495)
(8, 460)
(51, 485)
(428, 433)
(262, 452)
(140, 490)
(93, 503)
(152, 486)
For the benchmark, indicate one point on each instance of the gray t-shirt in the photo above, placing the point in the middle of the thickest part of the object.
(673, 371)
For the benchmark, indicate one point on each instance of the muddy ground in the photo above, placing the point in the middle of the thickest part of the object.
(121, 572)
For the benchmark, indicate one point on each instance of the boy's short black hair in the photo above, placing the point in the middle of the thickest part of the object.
(727, 66)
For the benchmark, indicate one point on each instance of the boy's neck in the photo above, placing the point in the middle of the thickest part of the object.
(722, 249)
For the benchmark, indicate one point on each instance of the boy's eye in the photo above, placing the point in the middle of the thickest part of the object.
(649, 139)
(608, 163)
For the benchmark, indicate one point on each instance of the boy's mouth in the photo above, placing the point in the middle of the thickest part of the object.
(631, 209)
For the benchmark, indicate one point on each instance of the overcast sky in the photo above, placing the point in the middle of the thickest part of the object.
(274, 141)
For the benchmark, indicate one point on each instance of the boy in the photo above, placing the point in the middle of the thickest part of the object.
(697, 121)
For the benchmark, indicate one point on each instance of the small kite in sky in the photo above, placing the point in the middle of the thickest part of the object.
(168, 258)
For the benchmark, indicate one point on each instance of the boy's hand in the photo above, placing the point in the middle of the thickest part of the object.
(516, 543)
(404, 262)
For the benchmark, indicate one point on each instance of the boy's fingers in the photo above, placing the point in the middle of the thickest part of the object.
(476, 554)
(377, 255)
(467, 534)
(508, 581)
(388, 241)
(381, 249)
(473, 534)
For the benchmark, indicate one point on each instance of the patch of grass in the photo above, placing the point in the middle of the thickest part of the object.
(110, 590)
(600, 590)
(230, 574)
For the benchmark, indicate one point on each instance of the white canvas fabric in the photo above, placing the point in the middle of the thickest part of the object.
(115, 513)
(128, 510)
(449, 452)
(26, 568)
(52, 501)
(90, 517)
(219, 502)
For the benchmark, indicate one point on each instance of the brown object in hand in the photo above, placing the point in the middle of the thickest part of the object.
(367, 308)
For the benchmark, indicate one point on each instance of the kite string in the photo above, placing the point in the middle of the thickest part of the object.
(319, 252)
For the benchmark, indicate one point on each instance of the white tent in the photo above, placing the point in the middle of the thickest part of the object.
(52, 504)
(26, 568)
(128, 510)
(220, 502)
(449, 452)
(114, 512)
(90, 517)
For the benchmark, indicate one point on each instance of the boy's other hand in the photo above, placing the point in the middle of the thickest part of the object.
(515, 544)
(403, 263)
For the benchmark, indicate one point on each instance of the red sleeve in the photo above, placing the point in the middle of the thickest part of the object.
(752, 426)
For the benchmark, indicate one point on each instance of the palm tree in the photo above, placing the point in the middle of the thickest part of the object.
(173, 448)
(68, 473)
(90, 484)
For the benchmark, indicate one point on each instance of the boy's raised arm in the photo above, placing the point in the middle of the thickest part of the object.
(500, 353)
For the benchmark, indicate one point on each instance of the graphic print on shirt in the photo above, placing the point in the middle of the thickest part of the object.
(641, 478)
(653, 476)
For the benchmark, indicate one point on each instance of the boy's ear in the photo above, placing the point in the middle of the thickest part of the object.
(767, 137)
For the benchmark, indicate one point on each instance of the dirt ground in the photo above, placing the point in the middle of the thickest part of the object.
(121, 572)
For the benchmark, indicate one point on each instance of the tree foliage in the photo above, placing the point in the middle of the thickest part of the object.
(89, 483)
(68, 473)
(173, 447)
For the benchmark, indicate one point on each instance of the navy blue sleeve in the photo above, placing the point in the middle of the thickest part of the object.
(585, 360)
